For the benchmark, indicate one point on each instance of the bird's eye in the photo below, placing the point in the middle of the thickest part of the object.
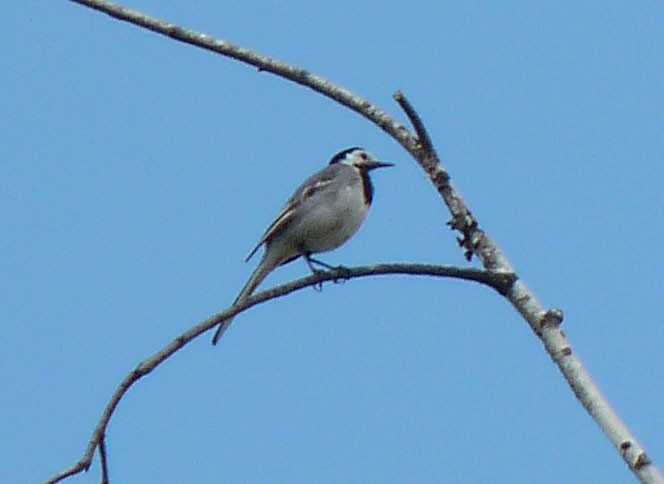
(363, 156)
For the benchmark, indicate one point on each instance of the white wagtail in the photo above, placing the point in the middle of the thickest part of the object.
(323, 213)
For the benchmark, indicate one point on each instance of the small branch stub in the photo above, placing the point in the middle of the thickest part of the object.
(552, 317)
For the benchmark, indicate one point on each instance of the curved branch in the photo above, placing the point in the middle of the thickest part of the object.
(262, 63)
(499, 281)
(543, 322)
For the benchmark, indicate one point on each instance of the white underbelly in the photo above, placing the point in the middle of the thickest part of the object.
(328, 225)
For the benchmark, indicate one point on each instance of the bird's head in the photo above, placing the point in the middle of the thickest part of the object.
(358, 158)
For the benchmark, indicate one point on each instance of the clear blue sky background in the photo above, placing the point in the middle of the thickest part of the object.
(137, 173)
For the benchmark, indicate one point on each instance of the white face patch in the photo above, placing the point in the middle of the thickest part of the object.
(357, 158)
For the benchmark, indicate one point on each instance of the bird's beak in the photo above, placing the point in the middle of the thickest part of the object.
(372, 165)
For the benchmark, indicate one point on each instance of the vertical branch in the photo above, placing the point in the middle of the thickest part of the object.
(544, 323)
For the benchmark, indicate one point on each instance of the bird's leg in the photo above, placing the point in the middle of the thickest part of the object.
(310, 263)
(341, 270)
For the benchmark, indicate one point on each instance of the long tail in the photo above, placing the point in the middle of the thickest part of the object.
(266, 266)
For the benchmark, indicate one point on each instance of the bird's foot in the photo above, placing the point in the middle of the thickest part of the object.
(342, 274)
(342, 271)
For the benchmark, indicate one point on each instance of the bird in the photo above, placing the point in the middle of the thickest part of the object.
(322, 214)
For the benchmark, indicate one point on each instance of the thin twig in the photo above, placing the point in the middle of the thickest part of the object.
(103, 458)
(501, 282)
(472, 238)
(421, 131)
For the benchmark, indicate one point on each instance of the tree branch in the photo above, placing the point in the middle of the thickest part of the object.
(421, 131)
(544, 323)
(262, 63)
(501, 282)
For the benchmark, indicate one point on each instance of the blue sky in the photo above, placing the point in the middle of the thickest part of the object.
(137, 173)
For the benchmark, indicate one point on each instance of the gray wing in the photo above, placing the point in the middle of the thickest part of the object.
(315, 183)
